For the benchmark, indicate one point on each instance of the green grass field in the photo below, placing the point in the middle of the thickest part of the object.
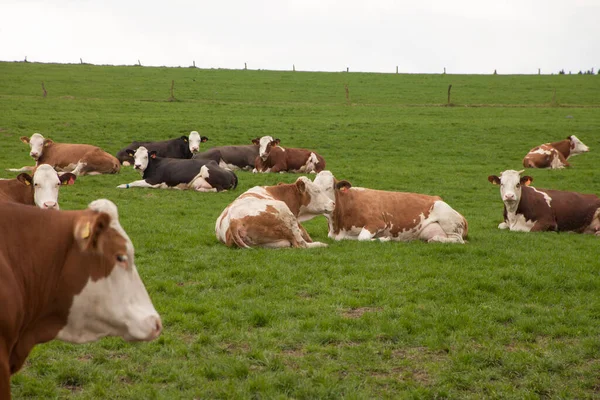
(508, 315)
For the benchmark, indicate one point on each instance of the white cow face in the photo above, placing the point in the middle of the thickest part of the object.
(577, 146)
(114, 301)
(510, 183)
(140, 158)
(326, 181)
(36, 143)
(320, 202)
(194, 141)
(46, 182)
(263, 143)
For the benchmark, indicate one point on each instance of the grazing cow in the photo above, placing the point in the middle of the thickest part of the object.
(67, 275)
(274, 158)
(159, 172)
(233, 157)
(182, 147)
(554, 155)
(269, 216)
(528, 209)
(80, 159)
(40, 190)
(366, 214)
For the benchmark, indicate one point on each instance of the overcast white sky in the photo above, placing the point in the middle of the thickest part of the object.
(418, 36)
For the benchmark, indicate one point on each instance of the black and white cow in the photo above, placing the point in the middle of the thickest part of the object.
(234, 157)
(161, 172)
(528, 209)
(181, 147)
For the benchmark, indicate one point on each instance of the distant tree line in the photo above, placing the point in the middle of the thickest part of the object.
(588, 72)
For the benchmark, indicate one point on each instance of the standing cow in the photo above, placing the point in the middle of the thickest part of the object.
(234, 157)
(181, 147)
(554, 155)
(528, 209)
(366, 214)
(274, 158)
(67, 275)
(80, 159)
(40, 190)
(269, 216)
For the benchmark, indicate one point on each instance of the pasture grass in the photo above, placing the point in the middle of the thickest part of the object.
(508, 315)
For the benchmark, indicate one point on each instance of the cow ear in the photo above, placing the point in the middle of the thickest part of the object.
(67, 178)
(152, 154)
(277, 141)
(88, 230)
(301, 185)
(25, 178)
(526, 180)
(47, 142)
(130, 152)
(494, 180)
(24, 139)
(343, 186)
(184, 138)
(256, 141)
(203, 139)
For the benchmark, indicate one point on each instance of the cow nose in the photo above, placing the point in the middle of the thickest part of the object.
(34, 155)
(137, 166)
(156, 324)
(50, 204)
(194, 149)
(509, 196)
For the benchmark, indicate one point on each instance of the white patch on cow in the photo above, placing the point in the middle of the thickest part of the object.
(546, 196)
(140, 159)
(326, 181)
(199, 182)
(541, 150)
(503, 225)
(444, 224)
(556, 163)
(230, 167)
(577, 146)
(36, 143)
(320, 203)
(311, 164)
(45, 187)
(517, 222)
(262, 146)
(117, 305)
(194, 141)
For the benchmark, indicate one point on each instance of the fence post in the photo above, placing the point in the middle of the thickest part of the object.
(449, 89)
(245, 66)
(347, 93)
(396, 69)
(44, 90)
(172, 98)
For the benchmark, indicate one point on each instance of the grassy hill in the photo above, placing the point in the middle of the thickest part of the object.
(507, 315)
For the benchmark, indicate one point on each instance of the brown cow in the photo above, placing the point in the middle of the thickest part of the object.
(366, 214)
(80, 159)
(554, 155)
(67, 275)
(528, 209)
(274, 158)
(40, 190)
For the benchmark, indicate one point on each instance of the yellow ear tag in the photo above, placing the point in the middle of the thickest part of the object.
(27, 183)
(85, 233)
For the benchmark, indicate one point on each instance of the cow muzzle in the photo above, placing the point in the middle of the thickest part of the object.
(148, 329)
(34, 155)
(50, 205)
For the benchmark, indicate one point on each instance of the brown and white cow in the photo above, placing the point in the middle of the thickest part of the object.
(67, 275)
(366, 214)
(80, 159)
(40, 190)
(554, 155)
(528, 209)
(274, 158)
(269, 216)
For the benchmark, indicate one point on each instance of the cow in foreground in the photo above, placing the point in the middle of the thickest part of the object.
(366, 214)
(40, 190)
(233, 157)
(269, 216)
(181, 147)
(528, 209)
(80, 159)
(159, 172)
(554, 155)
(274, 158)
(67, 275)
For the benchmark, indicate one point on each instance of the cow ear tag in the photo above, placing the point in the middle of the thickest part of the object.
(527, 182)
(85, 233)
(27, 183)
(185, 140)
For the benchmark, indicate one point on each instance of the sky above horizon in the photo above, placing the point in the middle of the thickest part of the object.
(462, 36)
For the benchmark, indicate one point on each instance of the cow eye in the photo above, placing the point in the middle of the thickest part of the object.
(518, 185)
(122, 258)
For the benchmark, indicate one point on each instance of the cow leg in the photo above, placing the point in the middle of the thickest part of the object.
(435, 233)
(503, 225)
(26, 168)
(201, 185)
(143, 184)
(365, 234)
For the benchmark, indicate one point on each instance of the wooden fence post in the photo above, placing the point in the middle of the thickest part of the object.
(245, 66)
(172, 98)
(347, 93)
(44, 90)
(449, 89)
(396, 69)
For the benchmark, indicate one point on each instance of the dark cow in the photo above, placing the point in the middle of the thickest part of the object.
(67, 275)
(554, 155)
(528, 209)
(233, 157)
(274, 158)
(40, 190)
(80, 159)
(182, 147)
(159, 172)
(366, 214)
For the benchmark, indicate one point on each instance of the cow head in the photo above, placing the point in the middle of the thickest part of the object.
(36, 143)
(329, 184)
(314, 199)
(194, 141)
(510, 183)
(141, 157)
(45, 183)
(113, 301)
(577, 146)
(266, 143)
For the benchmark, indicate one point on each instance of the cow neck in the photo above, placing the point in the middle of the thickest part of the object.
(153, 165)
(17, 191)
(289, 194)
(47, 152)
(522, 207)
(563, 146)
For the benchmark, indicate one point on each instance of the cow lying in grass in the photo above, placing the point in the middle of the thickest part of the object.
(269, 216)
(159, 172)
(181, 147)
(554, 155)
(528, 209)
(274, 158)
(233, 157)
(40, 190)
(80, 159)
(366, 214)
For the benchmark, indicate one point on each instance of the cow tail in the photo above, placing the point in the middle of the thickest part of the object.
(235, 180)
(465, 232)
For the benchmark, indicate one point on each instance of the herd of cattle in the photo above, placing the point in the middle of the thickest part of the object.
(89, 251)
